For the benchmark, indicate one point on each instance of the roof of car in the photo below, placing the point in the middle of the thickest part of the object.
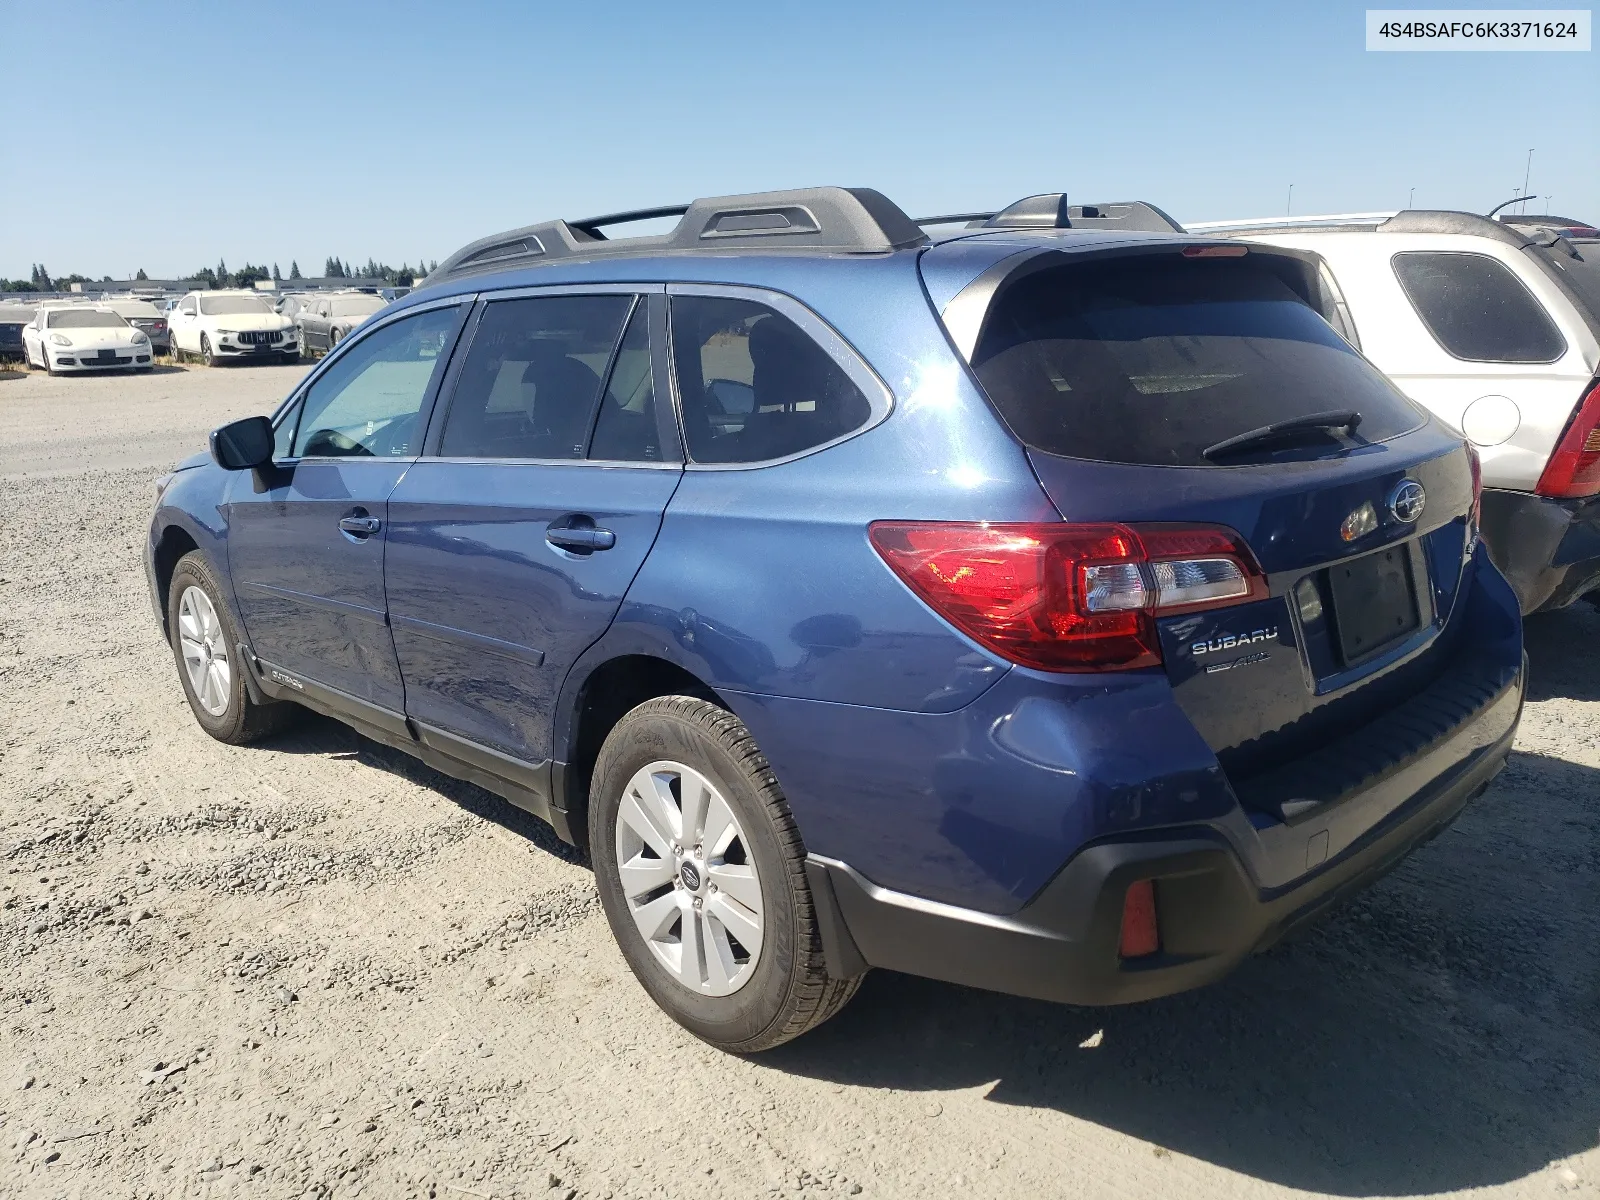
(806, 222)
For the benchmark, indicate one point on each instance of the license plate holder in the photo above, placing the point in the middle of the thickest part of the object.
(1374, 601)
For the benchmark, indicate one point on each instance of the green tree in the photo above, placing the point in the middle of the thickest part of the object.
(294, 270)
(277, 277)
(17, 285)
(222, 273)
(141, 274)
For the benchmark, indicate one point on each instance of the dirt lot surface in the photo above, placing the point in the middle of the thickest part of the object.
(315, 967)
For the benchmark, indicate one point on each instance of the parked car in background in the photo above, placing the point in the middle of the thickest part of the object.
(1067, 612)
(291, 305)
(1494, 326)
(227, 325)
(85, 337)
(13, 318)
(141, 314)
(328, 319)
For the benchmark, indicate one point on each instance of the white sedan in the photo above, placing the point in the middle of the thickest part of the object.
(83, 337)
(223, 325)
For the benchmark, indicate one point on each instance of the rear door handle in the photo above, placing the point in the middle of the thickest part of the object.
(581, 538)
(360, 526)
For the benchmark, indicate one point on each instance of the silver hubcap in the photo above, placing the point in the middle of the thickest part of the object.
(687, 874)
(205, 651)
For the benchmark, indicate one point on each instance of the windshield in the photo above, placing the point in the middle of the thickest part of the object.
(356, 305)
(218, 306)
(85, 319)
(135, 308)
(1152, 359)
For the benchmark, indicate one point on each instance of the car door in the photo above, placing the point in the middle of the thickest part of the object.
(306, 539)
(513, 540)
(184, 324)
(317, 324)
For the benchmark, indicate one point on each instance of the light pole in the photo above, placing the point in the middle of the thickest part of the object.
(1411, 200)
(1289, 204)
(1526, 171)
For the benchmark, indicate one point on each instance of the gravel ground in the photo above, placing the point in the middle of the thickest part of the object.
(317, 968)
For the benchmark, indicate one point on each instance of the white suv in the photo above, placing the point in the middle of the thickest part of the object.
(1496, 329)
(231, 324)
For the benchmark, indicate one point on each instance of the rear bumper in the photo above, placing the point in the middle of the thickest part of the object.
(1213, 909)
(1548, 550)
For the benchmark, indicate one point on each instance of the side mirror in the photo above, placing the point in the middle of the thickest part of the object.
(244, 445)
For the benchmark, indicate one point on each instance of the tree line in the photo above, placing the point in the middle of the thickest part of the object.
(246, 276)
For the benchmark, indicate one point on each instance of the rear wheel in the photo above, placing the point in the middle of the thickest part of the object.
(701, 872)
(206, 356)
(205, 645)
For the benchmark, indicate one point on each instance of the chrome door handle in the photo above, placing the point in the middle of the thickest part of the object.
(581, 538)
(360, 526)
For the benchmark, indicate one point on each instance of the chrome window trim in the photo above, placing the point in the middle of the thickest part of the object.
(880, 398)
(571, 289)
(477, 461)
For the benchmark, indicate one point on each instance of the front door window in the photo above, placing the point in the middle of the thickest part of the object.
(366, 404)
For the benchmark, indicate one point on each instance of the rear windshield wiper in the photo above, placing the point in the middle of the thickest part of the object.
(1346, 419)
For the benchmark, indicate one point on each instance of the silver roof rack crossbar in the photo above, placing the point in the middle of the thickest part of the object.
(830, 219)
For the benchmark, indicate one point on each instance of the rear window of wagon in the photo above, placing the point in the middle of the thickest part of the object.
(1151, 359)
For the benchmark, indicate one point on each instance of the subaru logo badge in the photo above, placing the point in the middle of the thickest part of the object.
(1407, 500)
(690, 876)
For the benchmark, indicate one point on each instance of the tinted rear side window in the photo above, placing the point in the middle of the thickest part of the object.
(1477, 309)
(1152, 359)
(754, 386)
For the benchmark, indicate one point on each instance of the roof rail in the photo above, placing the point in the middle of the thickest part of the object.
(1050, 210)
(829, 219)
(1408, 220)
(1330, 221)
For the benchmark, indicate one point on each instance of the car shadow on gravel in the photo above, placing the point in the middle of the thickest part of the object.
(1438, 1033)
(325, 737)
(1559, 661)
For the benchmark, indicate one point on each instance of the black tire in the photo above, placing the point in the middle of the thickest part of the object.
(206, 356)
(790, 990)
(333, 339)
(243, 720)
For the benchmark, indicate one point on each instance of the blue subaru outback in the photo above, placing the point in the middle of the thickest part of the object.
(1052, 603)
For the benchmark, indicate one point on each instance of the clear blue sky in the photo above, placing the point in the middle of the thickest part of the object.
(164, 136)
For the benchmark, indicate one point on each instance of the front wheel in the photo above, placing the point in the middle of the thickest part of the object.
(701, 872)
(205, 645)
(206, 356)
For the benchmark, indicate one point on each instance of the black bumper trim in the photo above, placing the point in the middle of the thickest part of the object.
(1062, 946)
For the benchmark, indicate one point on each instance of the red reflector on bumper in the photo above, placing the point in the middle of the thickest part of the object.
(1140, 934)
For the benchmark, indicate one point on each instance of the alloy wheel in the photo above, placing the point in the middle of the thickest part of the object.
(689, 879)
(205, 651)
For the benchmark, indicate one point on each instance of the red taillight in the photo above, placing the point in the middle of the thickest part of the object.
(1064, 597)
(1574, 468)
(159, 326)
(1141, 935)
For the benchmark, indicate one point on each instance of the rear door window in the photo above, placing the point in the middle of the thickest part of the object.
(1477, 309)
(754, 385)
(1151, 359)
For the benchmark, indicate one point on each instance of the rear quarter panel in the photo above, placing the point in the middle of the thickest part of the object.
(764, 578)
